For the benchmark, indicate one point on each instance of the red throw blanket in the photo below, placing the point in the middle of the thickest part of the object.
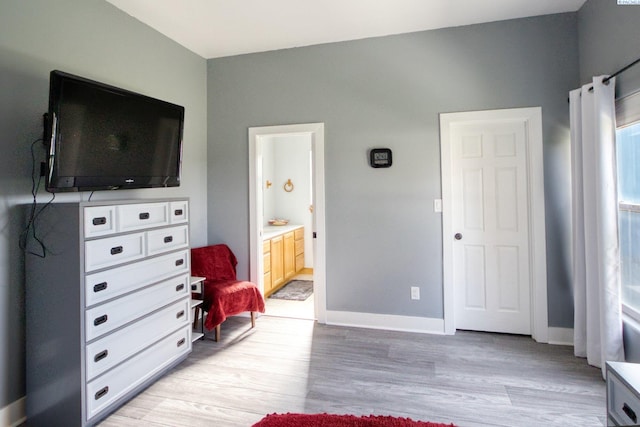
(330, 420)
(228, 297)
(224, 295)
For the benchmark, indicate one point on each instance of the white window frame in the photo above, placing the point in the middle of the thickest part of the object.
(627, 114)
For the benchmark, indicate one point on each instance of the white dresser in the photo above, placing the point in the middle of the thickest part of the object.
(108, 307)
(623, 394)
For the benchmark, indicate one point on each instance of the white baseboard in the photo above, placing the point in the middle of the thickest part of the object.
(13, 414)
(389, 322)
(425, 325)
(561, 336)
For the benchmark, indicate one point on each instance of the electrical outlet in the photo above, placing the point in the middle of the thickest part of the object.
(415, 292)
(437, 205)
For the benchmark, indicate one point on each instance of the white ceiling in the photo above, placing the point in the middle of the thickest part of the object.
(216, 28)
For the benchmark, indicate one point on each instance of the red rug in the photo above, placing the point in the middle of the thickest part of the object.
(330, 420)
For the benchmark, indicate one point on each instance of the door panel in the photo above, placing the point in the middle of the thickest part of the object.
(507, 274)
(506, 199)
(474, 280)
(473, 203)
(490, 215)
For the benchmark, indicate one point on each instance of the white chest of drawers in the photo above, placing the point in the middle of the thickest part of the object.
(623, 394)
(107, 308)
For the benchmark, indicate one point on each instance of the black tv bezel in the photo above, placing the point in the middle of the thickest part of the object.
(55, 183)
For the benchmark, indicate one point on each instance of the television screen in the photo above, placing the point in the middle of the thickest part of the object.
(104, 138)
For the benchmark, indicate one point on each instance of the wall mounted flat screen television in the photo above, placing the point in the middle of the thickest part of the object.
(105, 138)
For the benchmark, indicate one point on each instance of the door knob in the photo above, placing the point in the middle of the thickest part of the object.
(458, 236)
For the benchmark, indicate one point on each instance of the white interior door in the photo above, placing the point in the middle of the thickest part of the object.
(495, 276)
(490, 220)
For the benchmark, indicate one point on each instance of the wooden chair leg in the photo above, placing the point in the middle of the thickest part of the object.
(217, 334)
(253, 319)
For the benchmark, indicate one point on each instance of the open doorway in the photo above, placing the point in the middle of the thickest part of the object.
(287, 218)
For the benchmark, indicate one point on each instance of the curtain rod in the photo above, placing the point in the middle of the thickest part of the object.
(620, 71)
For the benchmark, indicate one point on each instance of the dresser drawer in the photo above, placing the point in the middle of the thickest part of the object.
(143, 215)
(299, 246)
(99, 221)
(298, 233)
(107, 352)
(623, 405)
(112, 251)
(109, 284)
(104, 390)
(166, 239)
(114, 314)
(179, 212)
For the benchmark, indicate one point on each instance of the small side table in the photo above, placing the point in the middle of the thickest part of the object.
(197, 287)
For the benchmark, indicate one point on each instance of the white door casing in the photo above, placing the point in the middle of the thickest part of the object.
(316, 131)
(493, 195)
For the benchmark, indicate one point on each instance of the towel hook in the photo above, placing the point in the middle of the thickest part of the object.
(288, 186)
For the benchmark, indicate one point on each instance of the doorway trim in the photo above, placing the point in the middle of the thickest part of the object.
(532, 118)
(316, 131)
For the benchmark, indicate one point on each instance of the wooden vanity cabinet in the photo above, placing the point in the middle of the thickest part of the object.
(266, 251)
(277, 264)
(283, 257)
(299, 248)
(289, 256)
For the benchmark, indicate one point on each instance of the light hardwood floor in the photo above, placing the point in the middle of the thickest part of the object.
(297, 309)
(296, 365)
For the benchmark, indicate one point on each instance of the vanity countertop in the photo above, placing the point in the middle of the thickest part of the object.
(271, 231)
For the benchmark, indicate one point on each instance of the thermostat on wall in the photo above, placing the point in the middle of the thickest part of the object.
(380, 157)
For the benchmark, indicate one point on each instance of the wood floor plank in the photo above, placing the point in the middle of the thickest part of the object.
(292, 365)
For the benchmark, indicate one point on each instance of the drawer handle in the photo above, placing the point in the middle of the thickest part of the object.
(177, 212)
(144, 215)
(179, 262)
(102, 392)
(117, 250)
(100, 320)
(180, 342)
(100, 287)
(630, 413)
(99, 221)
(180, 314)
(180, 287)
(98, 357)
(168, 239)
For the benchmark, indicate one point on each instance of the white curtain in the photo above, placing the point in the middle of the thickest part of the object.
(596, 262)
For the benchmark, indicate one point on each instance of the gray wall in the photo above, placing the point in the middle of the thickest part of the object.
(382, 234)
(609, 38)
(93, 39)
